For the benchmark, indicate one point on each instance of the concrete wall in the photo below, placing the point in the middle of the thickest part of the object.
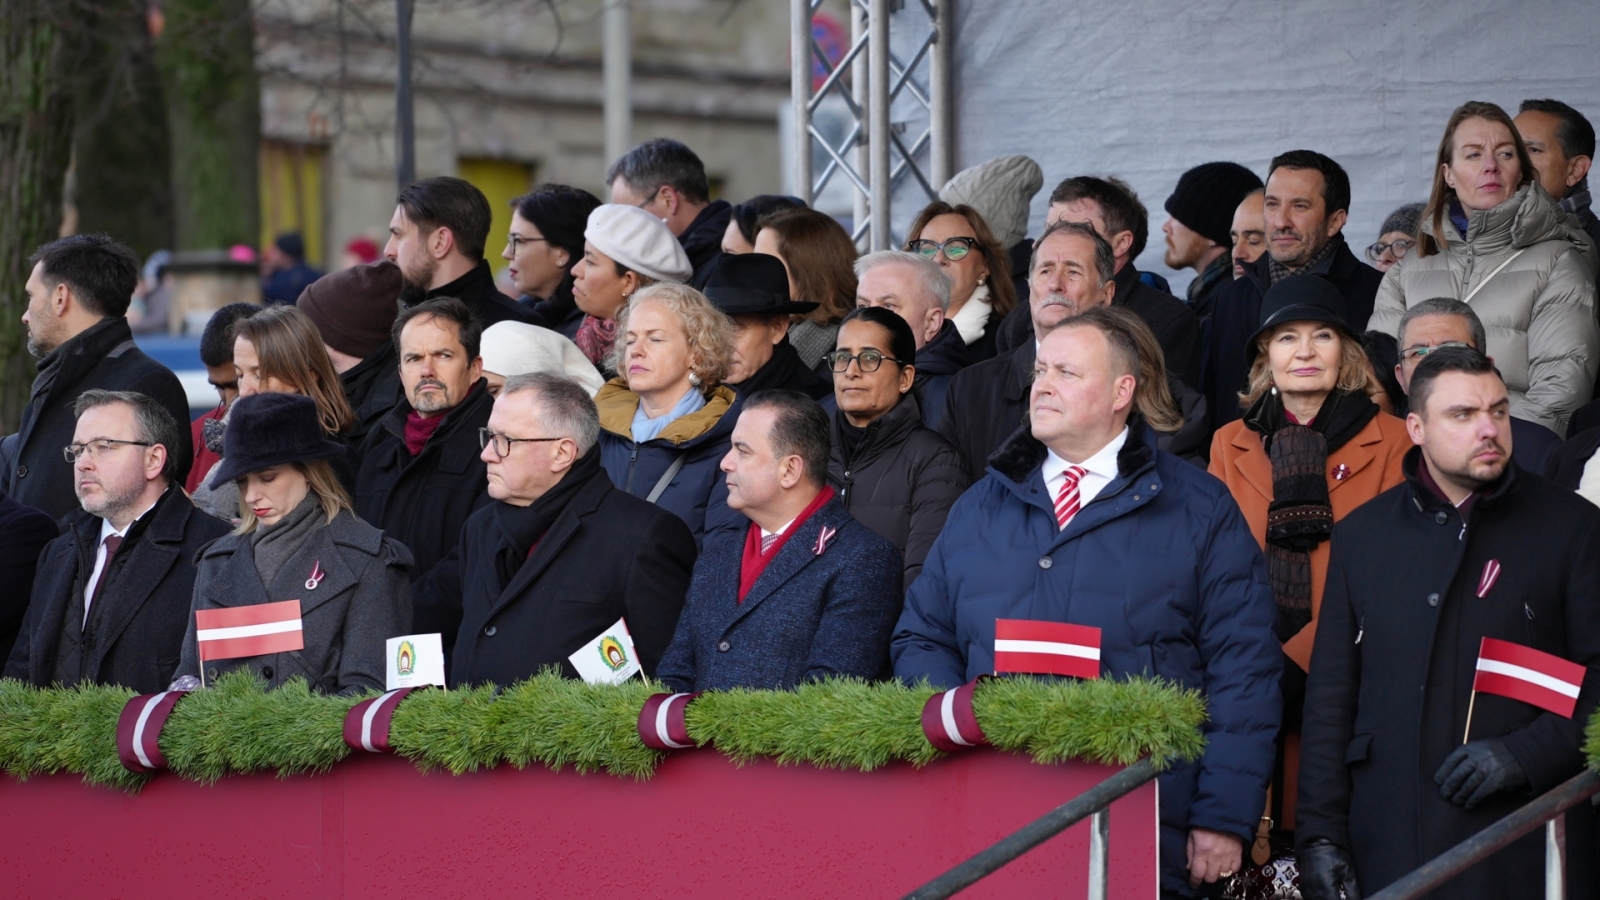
(1144, 90)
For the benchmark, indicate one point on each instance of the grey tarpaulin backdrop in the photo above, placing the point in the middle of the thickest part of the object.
(1144, 90)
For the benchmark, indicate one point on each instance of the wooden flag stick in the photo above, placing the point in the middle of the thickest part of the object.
(1470, 703)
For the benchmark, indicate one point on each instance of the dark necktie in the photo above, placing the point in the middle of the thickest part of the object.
(112, 543)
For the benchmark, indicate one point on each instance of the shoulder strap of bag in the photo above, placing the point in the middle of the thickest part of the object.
(666, 478)
(1491, 275)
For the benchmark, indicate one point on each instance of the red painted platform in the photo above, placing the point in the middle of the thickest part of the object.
(702, 827)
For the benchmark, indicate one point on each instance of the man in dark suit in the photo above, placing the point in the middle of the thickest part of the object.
(78, 297)
(420, 475)
(111, 602)
(24, 532)
(560, 554)
(807, 592)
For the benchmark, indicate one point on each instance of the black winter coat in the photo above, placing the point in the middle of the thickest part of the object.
(477, 290)
(702, 241)
(423, 501)
(24, 532)
(136, 626)
(606, 556)
(786, 371)
(104, 357)
(937, 362)
(372, 388)
(1566, 462)
(901, 480)
(1236, 314)
(1175, 326)
(1393, 666)
(987, 402)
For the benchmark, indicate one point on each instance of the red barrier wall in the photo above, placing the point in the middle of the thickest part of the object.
(702, 827)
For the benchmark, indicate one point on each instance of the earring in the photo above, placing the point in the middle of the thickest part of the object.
(694, 379)
(983, 279)
(1274, 390)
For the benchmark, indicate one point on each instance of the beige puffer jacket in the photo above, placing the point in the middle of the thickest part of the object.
(1538, 308)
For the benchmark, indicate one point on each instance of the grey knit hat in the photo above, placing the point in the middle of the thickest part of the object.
(1404, 220)
(1000, 190)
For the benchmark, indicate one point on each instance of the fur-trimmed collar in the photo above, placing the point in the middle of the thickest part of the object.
(1022, 453)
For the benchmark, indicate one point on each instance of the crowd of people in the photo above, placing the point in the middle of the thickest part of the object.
(779, 460)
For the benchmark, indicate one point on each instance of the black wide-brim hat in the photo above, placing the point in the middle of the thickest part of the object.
(1300, 298)
(752, 284)
(266, 430)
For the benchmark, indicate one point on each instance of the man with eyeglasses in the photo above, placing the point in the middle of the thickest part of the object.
(559, 554)
(666, 179)
(1447, 322)
(110, 603)
(914, 287)
(420, 476)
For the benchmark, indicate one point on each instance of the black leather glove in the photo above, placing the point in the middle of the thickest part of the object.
(1327, 872)
(1474, 772)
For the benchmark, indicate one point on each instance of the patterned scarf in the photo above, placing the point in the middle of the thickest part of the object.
(595, 338)
(1277, 271)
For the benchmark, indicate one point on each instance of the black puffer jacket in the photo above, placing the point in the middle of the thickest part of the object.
(900, 481)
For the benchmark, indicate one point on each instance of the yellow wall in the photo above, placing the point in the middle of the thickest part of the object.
(501, 181)
(292, 195)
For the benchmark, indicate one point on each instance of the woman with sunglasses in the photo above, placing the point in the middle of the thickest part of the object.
(960, 241)
(894, 475)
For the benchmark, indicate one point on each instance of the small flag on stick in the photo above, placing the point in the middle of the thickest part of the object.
(415, 660)
(235, 631)
(1532, 676)
(1046, 648)
(609, 658)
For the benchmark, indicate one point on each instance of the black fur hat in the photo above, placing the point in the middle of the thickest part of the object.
(266, 430)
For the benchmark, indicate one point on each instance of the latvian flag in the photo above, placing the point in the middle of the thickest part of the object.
(1532, 676)
(1046, 648)
(232, 632)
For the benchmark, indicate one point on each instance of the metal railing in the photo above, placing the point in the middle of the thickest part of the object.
(1545, 810)
(1093, 804)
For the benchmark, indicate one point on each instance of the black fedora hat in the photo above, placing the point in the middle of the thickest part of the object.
(752, 284)
(266, 430)
(1300, 298)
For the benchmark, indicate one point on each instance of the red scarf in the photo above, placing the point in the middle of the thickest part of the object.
(755, 562)
(419, 430)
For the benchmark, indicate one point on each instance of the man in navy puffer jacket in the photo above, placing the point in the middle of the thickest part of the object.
(1152, 551)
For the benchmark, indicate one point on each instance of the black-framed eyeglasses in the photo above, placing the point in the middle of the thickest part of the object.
(96, 449)
(1415, 354)
(502, 443)
(1398, 248)
(869, 361)
(955, 248)
(516, 241)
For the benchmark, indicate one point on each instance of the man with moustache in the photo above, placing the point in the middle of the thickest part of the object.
(1306, 203)
(1469, 547)
(111, 600)
(421, 475)
(436, 237)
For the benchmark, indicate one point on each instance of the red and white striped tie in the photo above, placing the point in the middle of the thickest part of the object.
(1067, 504)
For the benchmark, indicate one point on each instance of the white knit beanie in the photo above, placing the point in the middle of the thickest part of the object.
(1000, 190)
(517, 348)
(639, 241)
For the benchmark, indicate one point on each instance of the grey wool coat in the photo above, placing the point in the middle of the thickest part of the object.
(362, 600)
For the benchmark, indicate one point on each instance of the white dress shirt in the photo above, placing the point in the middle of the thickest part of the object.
(1099, 471)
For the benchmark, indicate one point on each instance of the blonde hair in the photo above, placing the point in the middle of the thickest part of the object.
(320, 480)
(708, 330)
(291, 350)
(1352, 366)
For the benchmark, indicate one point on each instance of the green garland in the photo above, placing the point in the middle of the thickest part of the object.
(239, 727)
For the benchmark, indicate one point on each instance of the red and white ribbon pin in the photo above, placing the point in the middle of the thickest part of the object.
(316, 576)
(824, 538)
(1491, 574)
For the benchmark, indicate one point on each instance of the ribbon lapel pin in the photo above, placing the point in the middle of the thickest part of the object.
(1491, 574)
(316, 576)
(824, 538)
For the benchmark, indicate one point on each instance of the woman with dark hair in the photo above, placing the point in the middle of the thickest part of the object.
(894, 475)
(982, 292)
(820, 259)
(280, 351)
(740, 237)
(1310, 449)
(298, 539)
(546, 241)
(1493, 239)
(625, 249)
